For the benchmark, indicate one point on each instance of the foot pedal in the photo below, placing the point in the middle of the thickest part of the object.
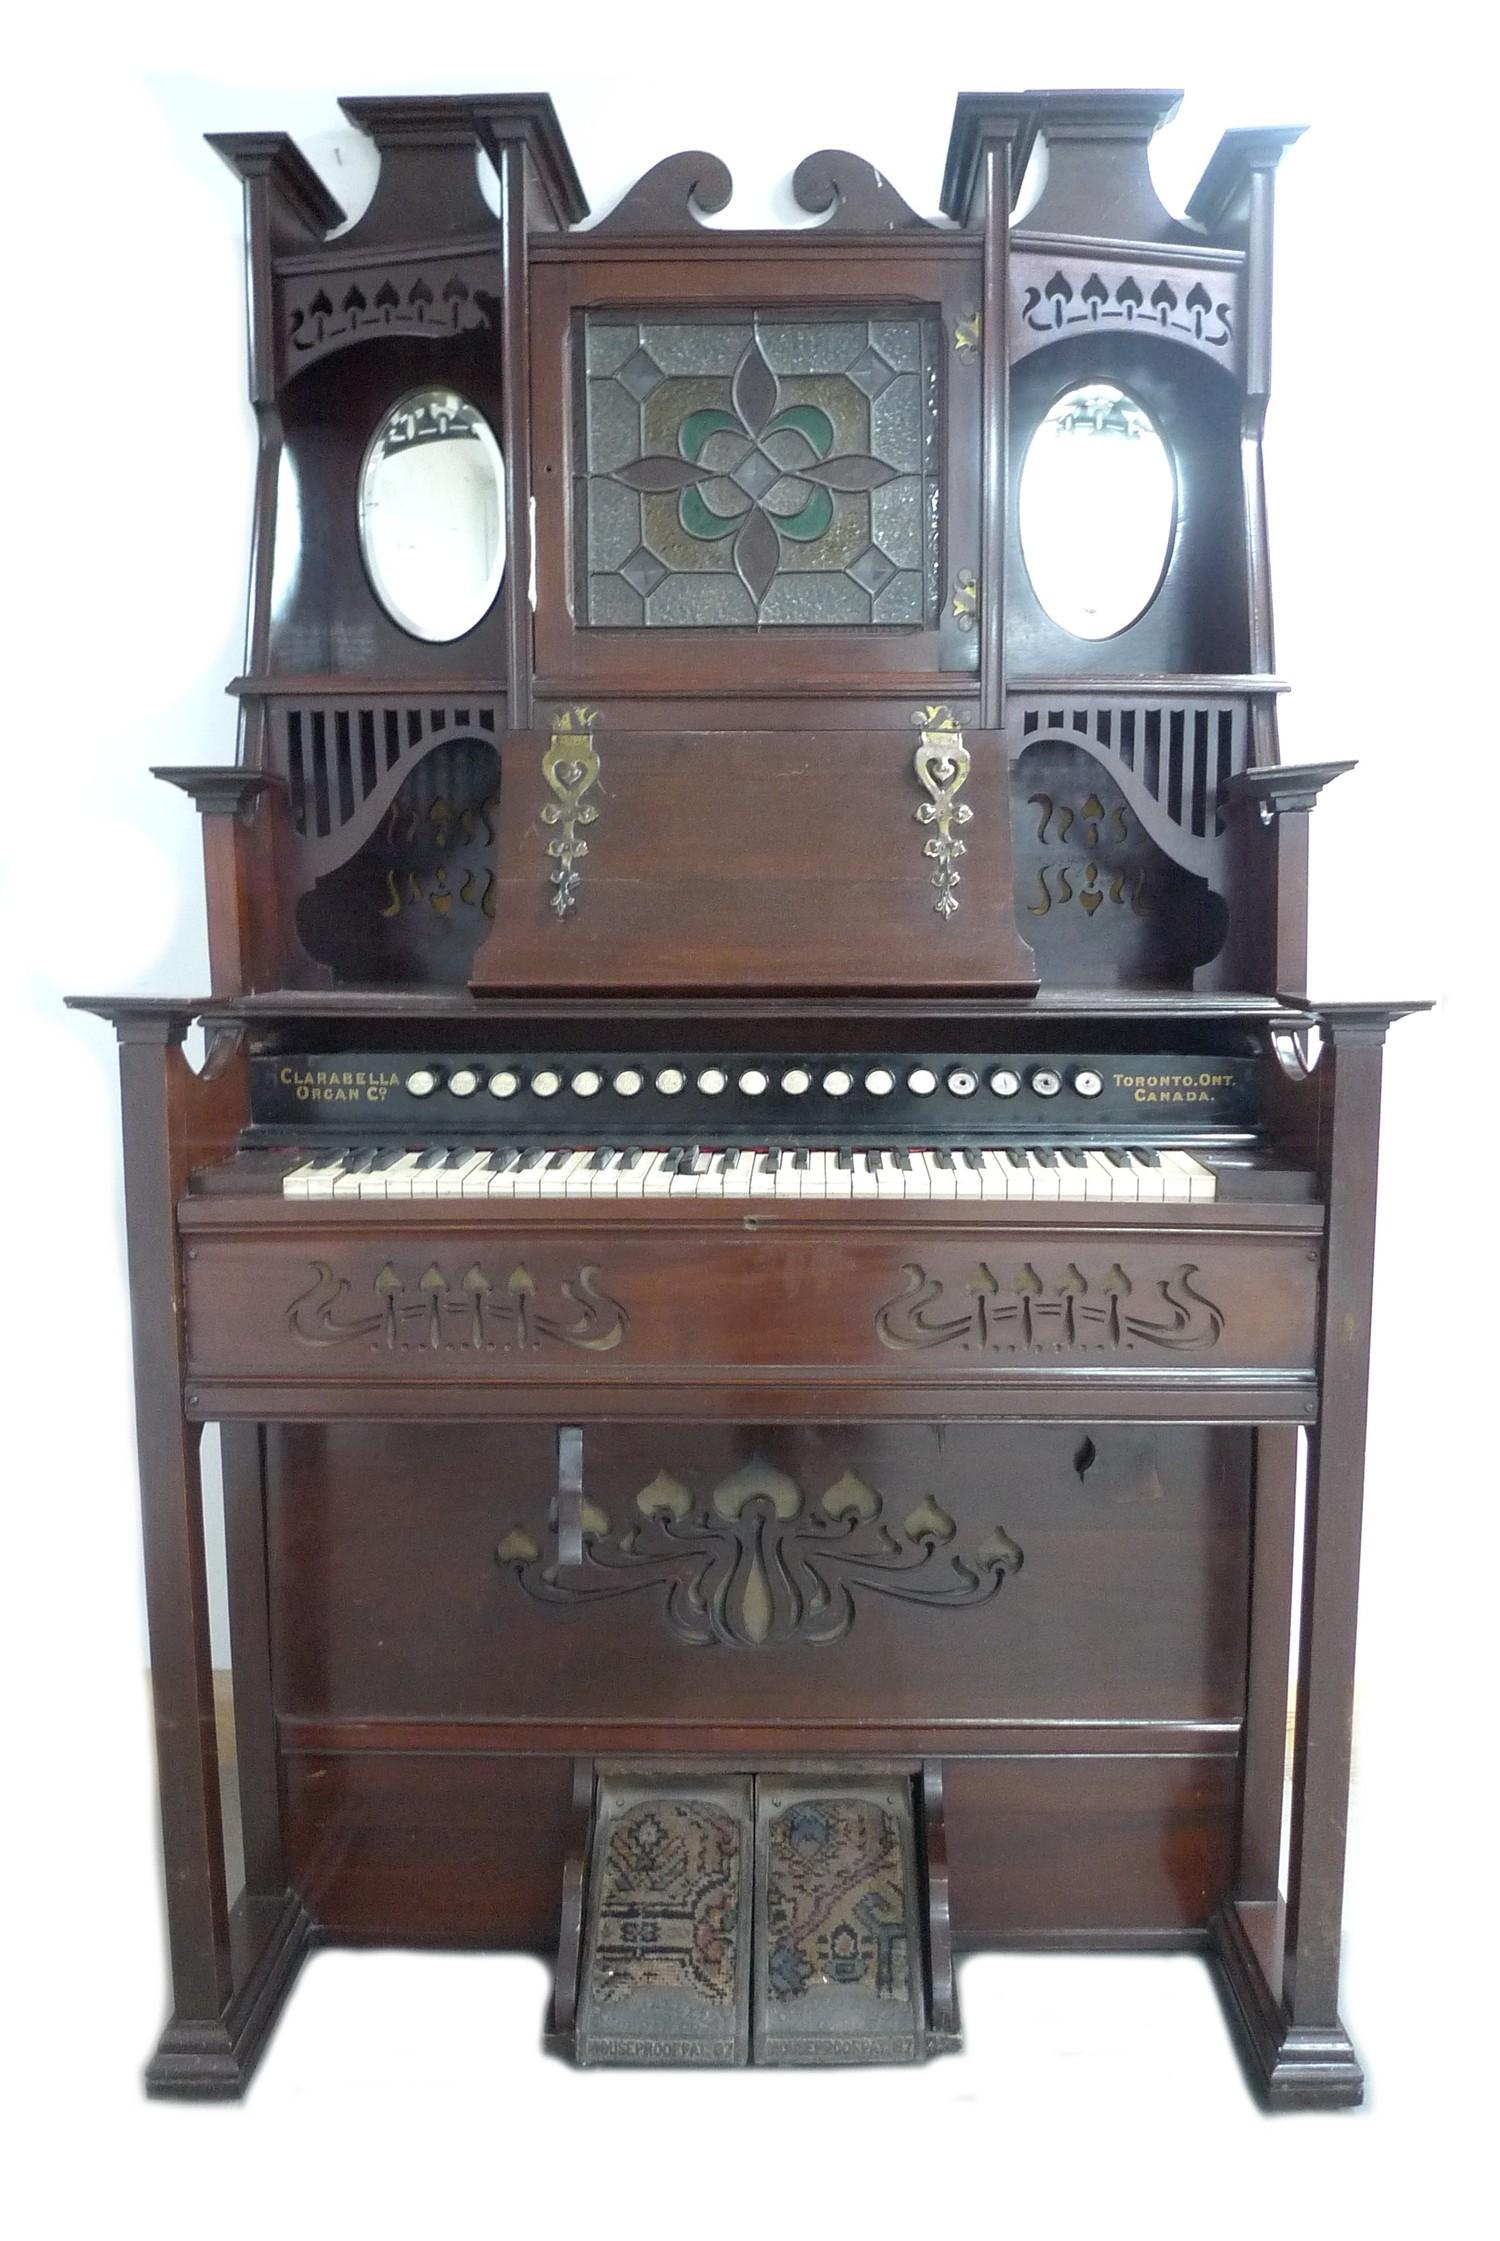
(666, 1963)
(723, 1918)
(838, 1964)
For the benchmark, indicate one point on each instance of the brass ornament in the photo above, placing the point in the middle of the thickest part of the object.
(570, 765)
(942, 765)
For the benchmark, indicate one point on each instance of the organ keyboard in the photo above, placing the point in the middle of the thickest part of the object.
(781, 1263)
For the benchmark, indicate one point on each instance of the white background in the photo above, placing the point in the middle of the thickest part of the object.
(405, 2093)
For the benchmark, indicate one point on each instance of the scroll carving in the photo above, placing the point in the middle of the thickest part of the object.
(475, 1312)
(756, 1566)
(677, 193)
(845, 191)
(1030, 1314)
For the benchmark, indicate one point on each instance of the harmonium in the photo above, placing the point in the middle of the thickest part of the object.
(778, 1253)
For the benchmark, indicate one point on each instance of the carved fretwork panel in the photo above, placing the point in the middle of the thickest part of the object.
(411, 906)
(434, 298)
(345, 761)
(1172, 758)
(756, 1563)
(1102, 904)
(1054, 296)
(775, 468)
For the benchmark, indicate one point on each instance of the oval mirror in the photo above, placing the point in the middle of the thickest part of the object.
(432, 514)
(1097, 509)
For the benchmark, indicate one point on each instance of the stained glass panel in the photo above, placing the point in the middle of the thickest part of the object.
(741, 472)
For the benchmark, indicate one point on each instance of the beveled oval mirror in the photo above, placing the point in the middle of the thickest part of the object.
(1097, 511)
(432, 514)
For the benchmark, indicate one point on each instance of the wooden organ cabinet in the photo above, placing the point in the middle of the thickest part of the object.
(766, 1215)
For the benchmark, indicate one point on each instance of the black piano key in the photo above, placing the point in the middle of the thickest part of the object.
(631, 1157)
(601, 1159)
(698, 1161)
(388, 1158)
(1045, 1154)
(360, 1163)
(727, 1162)
(1117, 1158)
(770, 1159)
(903, 1160)
(801, 1158)
(532, 1157)
(1070, 1158)
(844, 1158)
(1146, 1154)
(436, 1155)
(941, 1158)
(673, 1158)
(559, 1159)
(971, 1159)
(1014, 1159)
(503, 1160)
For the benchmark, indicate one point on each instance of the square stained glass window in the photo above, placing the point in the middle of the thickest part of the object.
(755, 469)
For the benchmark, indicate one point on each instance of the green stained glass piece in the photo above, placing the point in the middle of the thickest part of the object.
(699, 520)
(809, 421)
(811, 520)
(699, 426)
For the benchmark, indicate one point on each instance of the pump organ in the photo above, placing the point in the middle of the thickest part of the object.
(766, 1211)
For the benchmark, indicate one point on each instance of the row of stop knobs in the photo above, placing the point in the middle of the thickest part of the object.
(751, 1081)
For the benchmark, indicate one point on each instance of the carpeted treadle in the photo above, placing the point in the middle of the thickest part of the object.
(838, 1971)
(666, 1965)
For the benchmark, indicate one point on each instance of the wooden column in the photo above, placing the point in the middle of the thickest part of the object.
(987, 155)
(156, 1086)
(1263, 1780)
(1235, 202)
(1273, 803)
(246, 876)
(231, 1967)
(257, 1765)
(1350, 1123)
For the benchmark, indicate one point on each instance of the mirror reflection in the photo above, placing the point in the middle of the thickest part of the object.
(1098, 505)
(432, 514)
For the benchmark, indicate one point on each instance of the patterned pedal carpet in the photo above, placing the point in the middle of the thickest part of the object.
(839, 1979)
(836, 1899)
(665, 1957)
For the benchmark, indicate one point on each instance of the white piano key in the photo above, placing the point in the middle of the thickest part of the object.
(391, 1182)
(994, 1176)
(294, 1183)
(1200, 1180)
(838, 1182)
(737, 1177)
(1097, 1180)
(966, 1178)
(630, 1182)
(452, 1178)
(658, 1178)
(1044, 1179)
(555, 1173)
(1020, 1183)
(1116, 1183)
(942, 1182)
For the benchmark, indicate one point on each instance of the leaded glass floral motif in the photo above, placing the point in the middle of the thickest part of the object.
(757, 471)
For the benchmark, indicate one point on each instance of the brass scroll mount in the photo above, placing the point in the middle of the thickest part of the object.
(570, 766)
(941, 763)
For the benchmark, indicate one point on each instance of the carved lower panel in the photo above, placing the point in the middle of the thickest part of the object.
(756, 1565)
